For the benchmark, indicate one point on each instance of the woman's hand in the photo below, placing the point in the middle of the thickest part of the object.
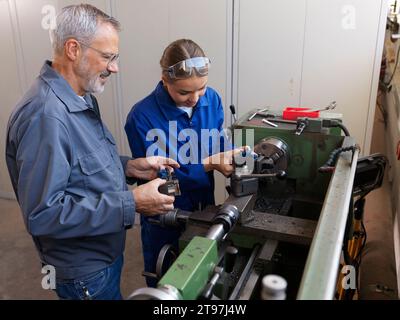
(222, 161)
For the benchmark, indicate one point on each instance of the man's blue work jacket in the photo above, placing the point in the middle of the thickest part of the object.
(68, 178)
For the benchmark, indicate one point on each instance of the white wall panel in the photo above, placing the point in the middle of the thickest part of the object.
(143, 37)
(35, 40)
(341, 46)
(10, 88)
(270, 51)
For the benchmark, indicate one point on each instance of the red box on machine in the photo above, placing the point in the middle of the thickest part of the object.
(290, 113)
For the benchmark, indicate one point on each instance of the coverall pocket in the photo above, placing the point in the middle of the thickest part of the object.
(95, 161)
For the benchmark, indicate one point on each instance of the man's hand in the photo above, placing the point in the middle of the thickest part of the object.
(147, 168)
(149, 201)
(222, 161)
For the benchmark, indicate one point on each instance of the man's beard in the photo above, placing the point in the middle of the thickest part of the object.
(93, 82)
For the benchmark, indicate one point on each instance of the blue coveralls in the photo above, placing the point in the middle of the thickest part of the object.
(158, 111)
(70, 184)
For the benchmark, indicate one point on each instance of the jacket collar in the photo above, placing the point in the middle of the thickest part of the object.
(63, 90)
(168, 106)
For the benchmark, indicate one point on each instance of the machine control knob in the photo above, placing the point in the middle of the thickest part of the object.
(273, 287)
(230, 259)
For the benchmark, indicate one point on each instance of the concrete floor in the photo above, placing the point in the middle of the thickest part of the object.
(20, 276)
(378, 266)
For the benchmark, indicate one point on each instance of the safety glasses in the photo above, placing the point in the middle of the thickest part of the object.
(184, 69)
(112, 58)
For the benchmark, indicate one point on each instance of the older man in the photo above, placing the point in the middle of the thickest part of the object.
(64, 166)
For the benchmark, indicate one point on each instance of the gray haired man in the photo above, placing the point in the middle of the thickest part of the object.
(64, 166)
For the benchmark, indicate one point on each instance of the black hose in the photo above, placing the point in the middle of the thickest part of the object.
(329, 165)
(341, 126)
(332, 123)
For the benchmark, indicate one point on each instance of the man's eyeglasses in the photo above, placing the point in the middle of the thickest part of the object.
(112, 58)
(184, 69)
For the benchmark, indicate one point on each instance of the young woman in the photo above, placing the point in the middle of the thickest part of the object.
(181, 118)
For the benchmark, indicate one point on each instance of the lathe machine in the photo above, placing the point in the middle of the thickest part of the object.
(292, 221)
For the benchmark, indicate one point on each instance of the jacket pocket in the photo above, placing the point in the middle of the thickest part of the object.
(95, 161)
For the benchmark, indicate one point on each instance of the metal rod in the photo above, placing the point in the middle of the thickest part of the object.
(257, 175)
(250, 285)
(216, 232)
(331, 106)
(269, 123)
(243, 277)
(256, 113)
(321, 270)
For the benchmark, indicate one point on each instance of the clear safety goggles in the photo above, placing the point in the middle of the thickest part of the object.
(184, 69)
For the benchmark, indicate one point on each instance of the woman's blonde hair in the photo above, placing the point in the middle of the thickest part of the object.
(178, 51)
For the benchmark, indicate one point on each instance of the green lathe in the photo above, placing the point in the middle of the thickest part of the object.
(289, 215)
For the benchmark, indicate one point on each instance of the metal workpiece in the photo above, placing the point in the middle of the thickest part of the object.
(216, 232)
(244, 170)
(322, 266)
(269, 159)
(275, 153)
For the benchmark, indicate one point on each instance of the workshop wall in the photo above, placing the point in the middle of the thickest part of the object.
(263, 53)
